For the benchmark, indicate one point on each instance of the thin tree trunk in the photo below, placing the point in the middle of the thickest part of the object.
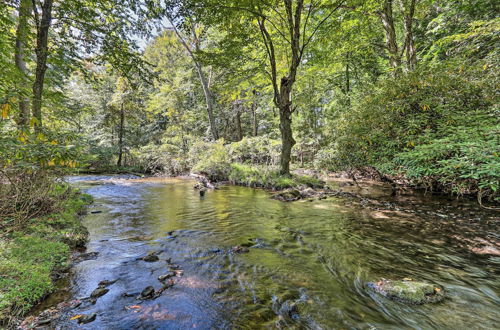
(19, 57)
(239, 130)
(120, 138)
(208, 100)
(347, 76)
(411, 52)
(203, 80)
(387, 18)
(41, 51)
(254, 115)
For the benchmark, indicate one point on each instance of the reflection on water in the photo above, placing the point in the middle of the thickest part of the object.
(306, 267)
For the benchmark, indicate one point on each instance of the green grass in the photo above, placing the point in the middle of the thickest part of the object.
(264, 177)
(31, 256)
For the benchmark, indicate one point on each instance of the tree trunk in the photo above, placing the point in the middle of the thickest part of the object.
(203, 79)
(120, 138)
(208, 100)
(411, 52)
(19, 57)
(347, 76)
(287, 140)
(391, 44)
(239, 130)
(254, 115)
(41, 51)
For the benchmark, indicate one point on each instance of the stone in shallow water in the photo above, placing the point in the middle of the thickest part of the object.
(407, 291)
(106, 282)
(147, 293)
(99, 292)
(239, 249)
(87, 318)
(165, 277)
(151, 258)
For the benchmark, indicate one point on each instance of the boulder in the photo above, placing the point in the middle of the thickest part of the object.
(408, 291)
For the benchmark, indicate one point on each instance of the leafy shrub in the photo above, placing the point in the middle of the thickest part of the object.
(433, 125)
(465, 161)
(256, 150)
(211, 159)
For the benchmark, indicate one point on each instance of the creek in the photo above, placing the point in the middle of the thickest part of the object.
(306, 266)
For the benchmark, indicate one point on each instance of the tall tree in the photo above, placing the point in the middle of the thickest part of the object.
(22, 35)
(286, 27)
(191, 43)
(43, 21)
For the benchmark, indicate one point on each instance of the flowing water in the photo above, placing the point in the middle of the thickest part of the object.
(307, 266)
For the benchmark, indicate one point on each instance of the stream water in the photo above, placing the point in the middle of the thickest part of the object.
(307, 266)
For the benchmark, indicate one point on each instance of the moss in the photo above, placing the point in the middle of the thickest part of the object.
(411, 292)
(31, 256)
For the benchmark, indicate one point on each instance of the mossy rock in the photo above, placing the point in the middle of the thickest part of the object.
(288, 195)
(408, 291)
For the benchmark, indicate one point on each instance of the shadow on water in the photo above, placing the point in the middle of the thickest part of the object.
(307, 264)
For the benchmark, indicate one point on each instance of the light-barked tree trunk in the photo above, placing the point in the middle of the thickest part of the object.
(209, 100)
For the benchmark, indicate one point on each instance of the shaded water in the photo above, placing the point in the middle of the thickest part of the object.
(307, 268)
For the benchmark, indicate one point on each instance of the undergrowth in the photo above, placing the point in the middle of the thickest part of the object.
(32, 254)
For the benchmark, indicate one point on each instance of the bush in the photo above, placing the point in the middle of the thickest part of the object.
(211, 159)
(256, 150)
(433, 125)
(465, 161)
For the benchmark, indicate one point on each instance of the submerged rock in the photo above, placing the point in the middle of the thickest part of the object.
(147, 293)
(151, 257)
(165, 277)
(87, 318)
(106, 283)
(239, 249)
(408, 291)
(99, 292)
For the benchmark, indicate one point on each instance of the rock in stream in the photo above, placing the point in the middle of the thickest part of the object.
(408, 291)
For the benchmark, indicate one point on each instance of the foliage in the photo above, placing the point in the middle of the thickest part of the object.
(255, 150)
(433, 125)
(32, 254)
(464, 161)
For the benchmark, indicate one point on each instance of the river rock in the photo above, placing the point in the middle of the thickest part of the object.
(151, 258)
(408, 291)
(43, 322)
(288, 195)
(87, 318)
(239, 249)
(165, 277)
(106, 283)
(99, 292)
(147, 293)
